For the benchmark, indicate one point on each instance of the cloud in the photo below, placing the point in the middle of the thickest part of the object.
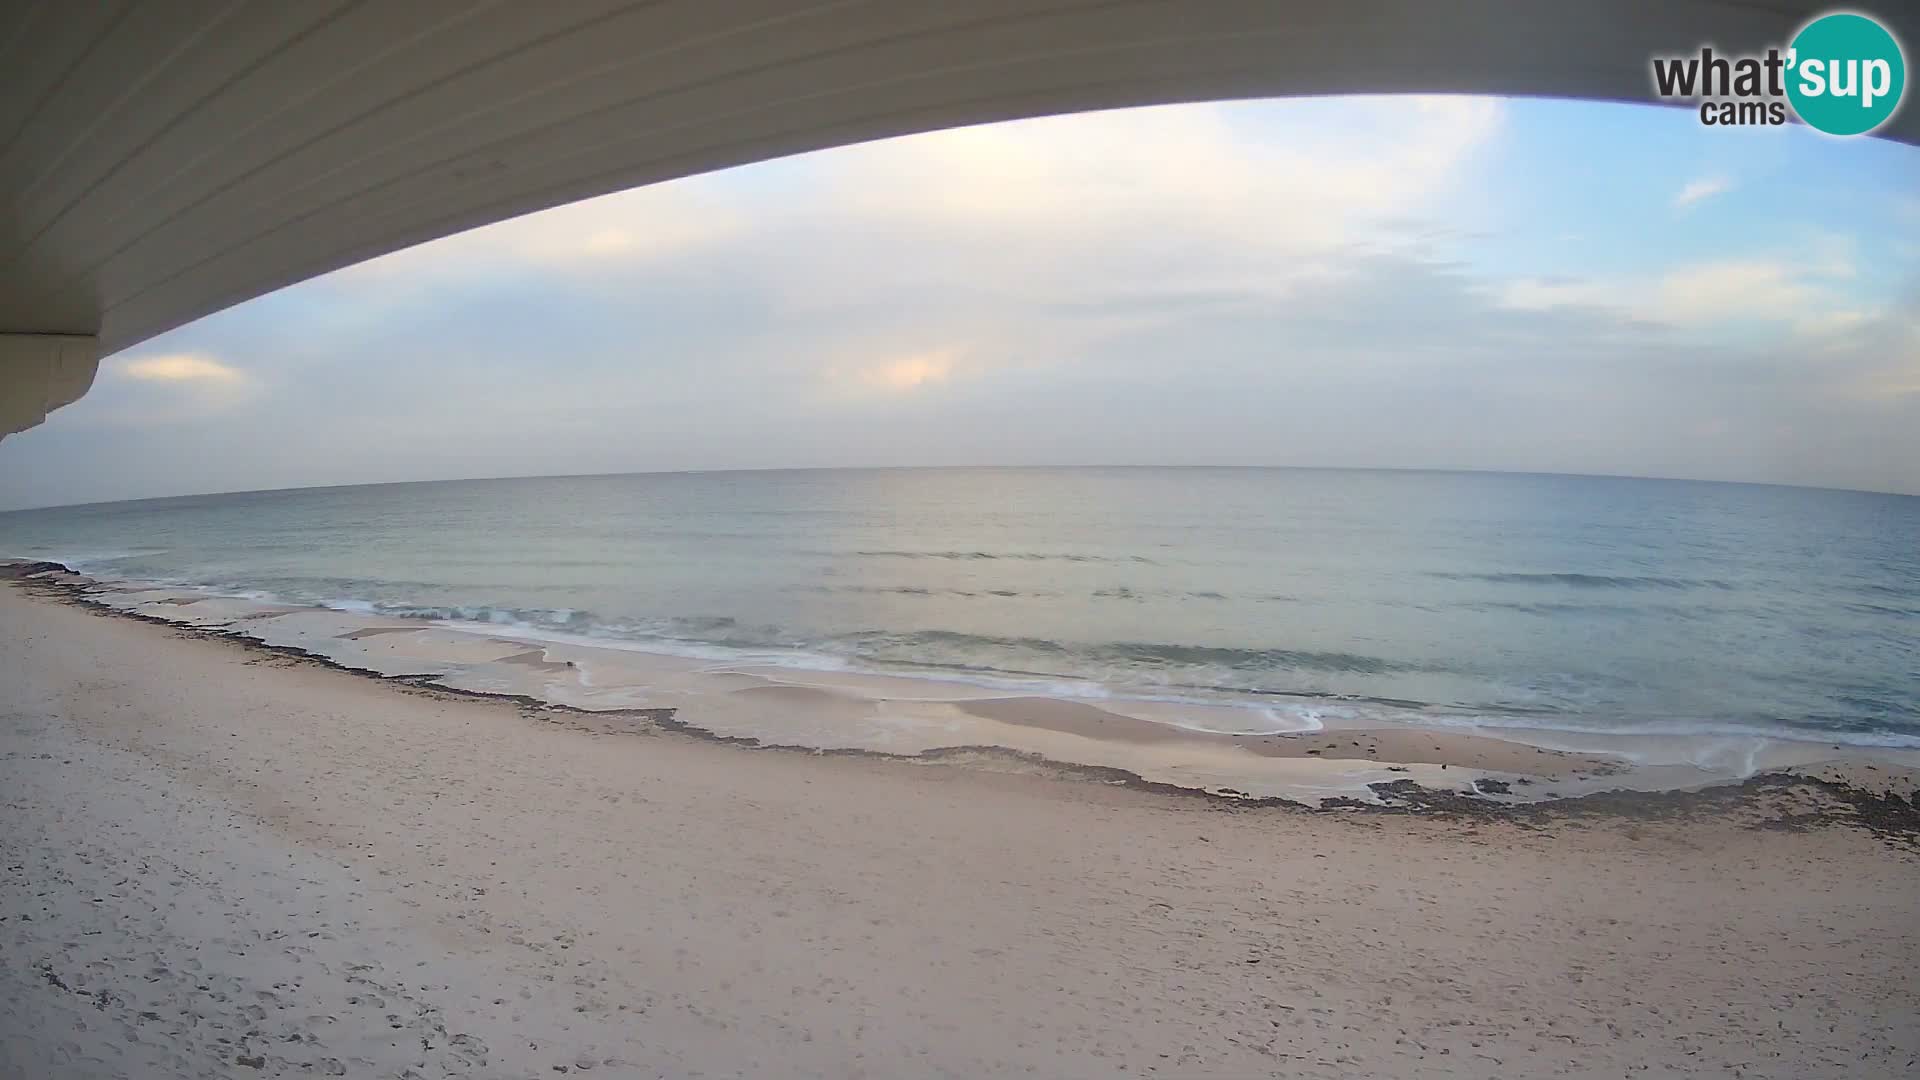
(902, 374)
(644, 224)
(1295, 181)
(1011, 237)
(1547, 294)
(1801, 289)
(166, 390)
(1698, 190)
(1723, 289)
(181, 368)
(1891, 374)
(1835, 325)
(1035, 206)
(915, 371)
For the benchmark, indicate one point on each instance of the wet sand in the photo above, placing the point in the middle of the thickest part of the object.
(224, 860)
(1364, 744)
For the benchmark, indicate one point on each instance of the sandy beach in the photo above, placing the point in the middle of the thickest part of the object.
(222, 860)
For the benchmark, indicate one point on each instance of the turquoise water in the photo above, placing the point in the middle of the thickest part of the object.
(1558, 602)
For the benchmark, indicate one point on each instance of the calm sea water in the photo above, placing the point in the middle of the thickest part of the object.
(1577, 603)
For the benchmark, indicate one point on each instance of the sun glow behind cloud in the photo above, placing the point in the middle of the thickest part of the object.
(172, 391)
(911, 372)
(181, 367)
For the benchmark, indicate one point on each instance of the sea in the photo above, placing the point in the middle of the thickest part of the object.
(1548, 602)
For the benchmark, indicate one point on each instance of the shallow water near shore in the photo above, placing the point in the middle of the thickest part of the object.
(1217, 749)
(1238, 601)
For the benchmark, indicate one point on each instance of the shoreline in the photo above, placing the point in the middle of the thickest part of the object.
(1318, 710)
(231, 859)
(1883, 799)
(227, 859)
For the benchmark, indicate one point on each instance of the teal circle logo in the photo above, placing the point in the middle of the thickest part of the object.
(1845, 74)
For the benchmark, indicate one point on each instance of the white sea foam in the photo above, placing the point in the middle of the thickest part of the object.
(1676, 728)
(689, 650)
(351, 607)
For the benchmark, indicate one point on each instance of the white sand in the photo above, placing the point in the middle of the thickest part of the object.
(223, 863)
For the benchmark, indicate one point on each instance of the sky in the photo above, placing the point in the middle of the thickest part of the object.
(1468, 283)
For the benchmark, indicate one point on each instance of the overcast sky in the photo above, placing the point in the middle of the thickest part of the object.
(1440, 283)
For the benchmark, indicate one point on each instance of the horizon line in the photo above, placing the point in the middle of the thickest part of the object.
(911, 468)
